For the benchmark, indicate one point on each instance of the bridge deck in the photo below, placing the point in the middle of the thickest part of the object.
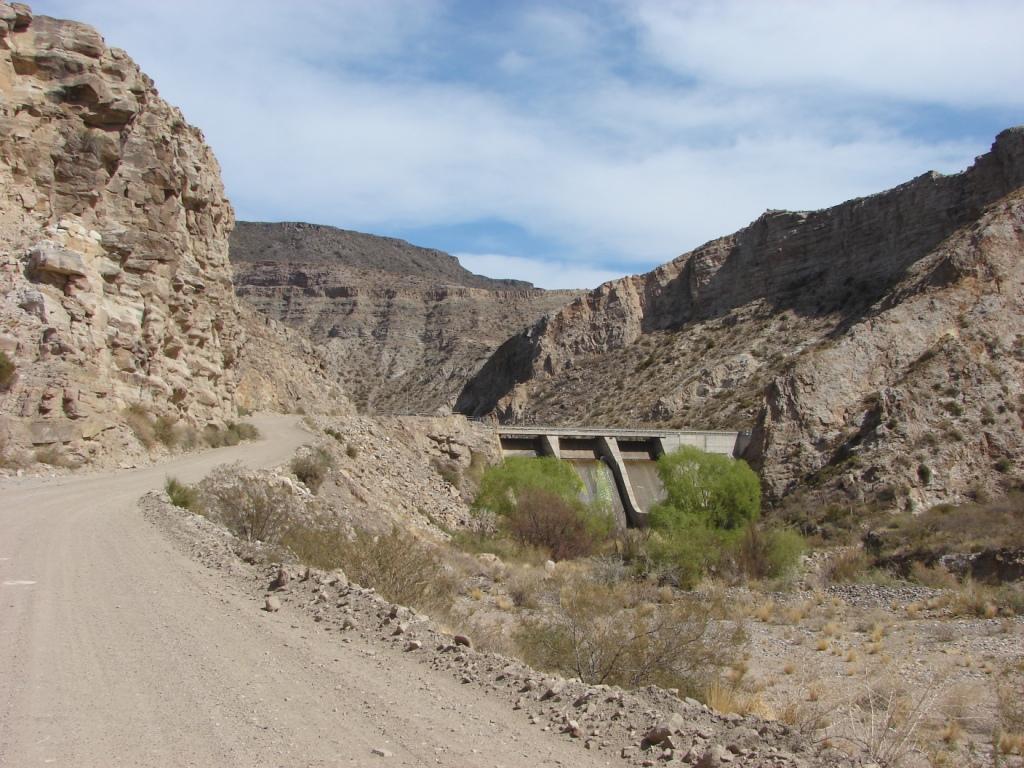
(640, 434)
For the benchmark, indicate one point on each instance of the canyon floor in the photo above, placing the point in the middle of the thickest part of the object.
(120, 649)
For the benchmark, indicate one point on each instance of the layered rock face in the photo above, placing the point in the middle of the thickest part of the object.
(114, 273)
(402, 327)
(874, 348)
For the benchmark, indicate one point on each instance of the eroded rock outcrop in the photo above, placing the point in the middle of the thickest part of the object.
(874, 347)
(114, 274)
(113, 227)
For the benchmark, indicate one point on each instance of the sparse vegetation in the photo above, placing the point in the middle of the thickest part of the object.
(8, 371)
(181, 495)
(313, 467)
(248, 504)
(55, 457)
(618, 635)
(397, 564)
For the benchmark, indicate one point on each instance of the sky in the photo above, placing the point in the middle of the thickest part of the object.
(569, 143)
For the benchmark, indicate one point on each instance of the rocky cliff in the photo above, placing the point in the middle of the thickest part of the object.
(402, 327)
(874, 348)
(114, 266)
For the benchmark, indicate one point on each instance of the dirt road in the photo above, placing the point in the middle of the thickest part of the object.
(118, 650)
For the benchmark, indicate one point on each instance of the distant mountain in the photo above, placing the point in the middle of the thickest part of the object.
(402, 327)
(293, 242)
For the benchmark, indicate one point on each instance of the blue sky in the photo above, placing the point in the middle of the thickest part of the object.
(568, 143)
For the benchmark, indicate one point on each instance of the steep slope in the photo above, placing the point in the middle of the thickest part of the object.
(114, 266)
(874, 348)
(402, 327)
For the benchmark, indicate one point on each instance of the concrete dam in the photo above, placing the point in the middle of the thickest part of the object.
(617, 466)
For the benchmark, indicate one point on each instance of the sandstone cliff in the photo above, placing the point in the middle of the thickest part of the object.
(874, 348)
(402, 327)
(114, 274)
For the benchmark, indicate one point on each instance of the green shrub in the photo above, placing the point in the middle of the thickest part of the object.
(312, 468)
(706, 489)
(181, 495)
(8, 371)
(700, 526)
(501, 484)
(537, 501)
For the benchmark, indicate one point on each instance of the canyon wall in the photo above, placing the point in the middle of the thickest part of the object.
(844, 338)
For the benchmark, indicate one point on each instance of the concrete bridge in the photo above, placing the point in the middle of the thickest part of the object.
(624, 456)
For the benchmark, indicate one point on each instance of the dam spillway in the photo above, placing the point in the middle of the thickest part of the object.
(616, 463)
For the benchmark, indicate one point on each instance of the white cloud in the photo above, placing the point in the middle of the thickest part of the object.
(544, 273)
(939, 51)
(340, 113)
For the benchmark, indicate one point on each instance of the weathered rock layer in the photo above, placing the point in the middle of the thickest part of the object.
(402, 327)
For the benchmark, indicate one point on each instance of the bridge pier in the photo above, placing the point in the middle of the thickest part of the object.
(608, 448)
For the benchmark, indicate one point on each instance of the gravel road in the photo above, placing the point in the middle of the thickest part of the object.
(119, 650)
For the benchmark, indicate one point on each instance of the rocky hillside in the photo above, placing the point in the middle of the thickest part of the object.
(402, 327)
(114, 274)
(874, 348)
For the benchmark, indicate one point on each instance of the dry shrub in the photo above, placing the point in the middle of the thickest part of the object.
(8, 372)
(448, 470)
(55, 457)
(401, 567)
(524, 589)
(254, 505)
(545, 519)
(140, 421)
(844, 567)
(985, 601)
(1010, 709)
(614, 635)
(731, 698)
(936, 577)
(322, 547)
(313, 467)
(884, 723)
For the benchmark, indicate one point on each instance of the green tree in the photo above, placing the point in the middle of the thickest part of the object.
(537, 501)
(503, 484)
(705, 490)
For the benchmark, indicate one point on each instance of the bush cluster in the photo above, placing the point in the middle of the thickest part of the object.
(168, 431)
(708, 522)
(537, 504)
